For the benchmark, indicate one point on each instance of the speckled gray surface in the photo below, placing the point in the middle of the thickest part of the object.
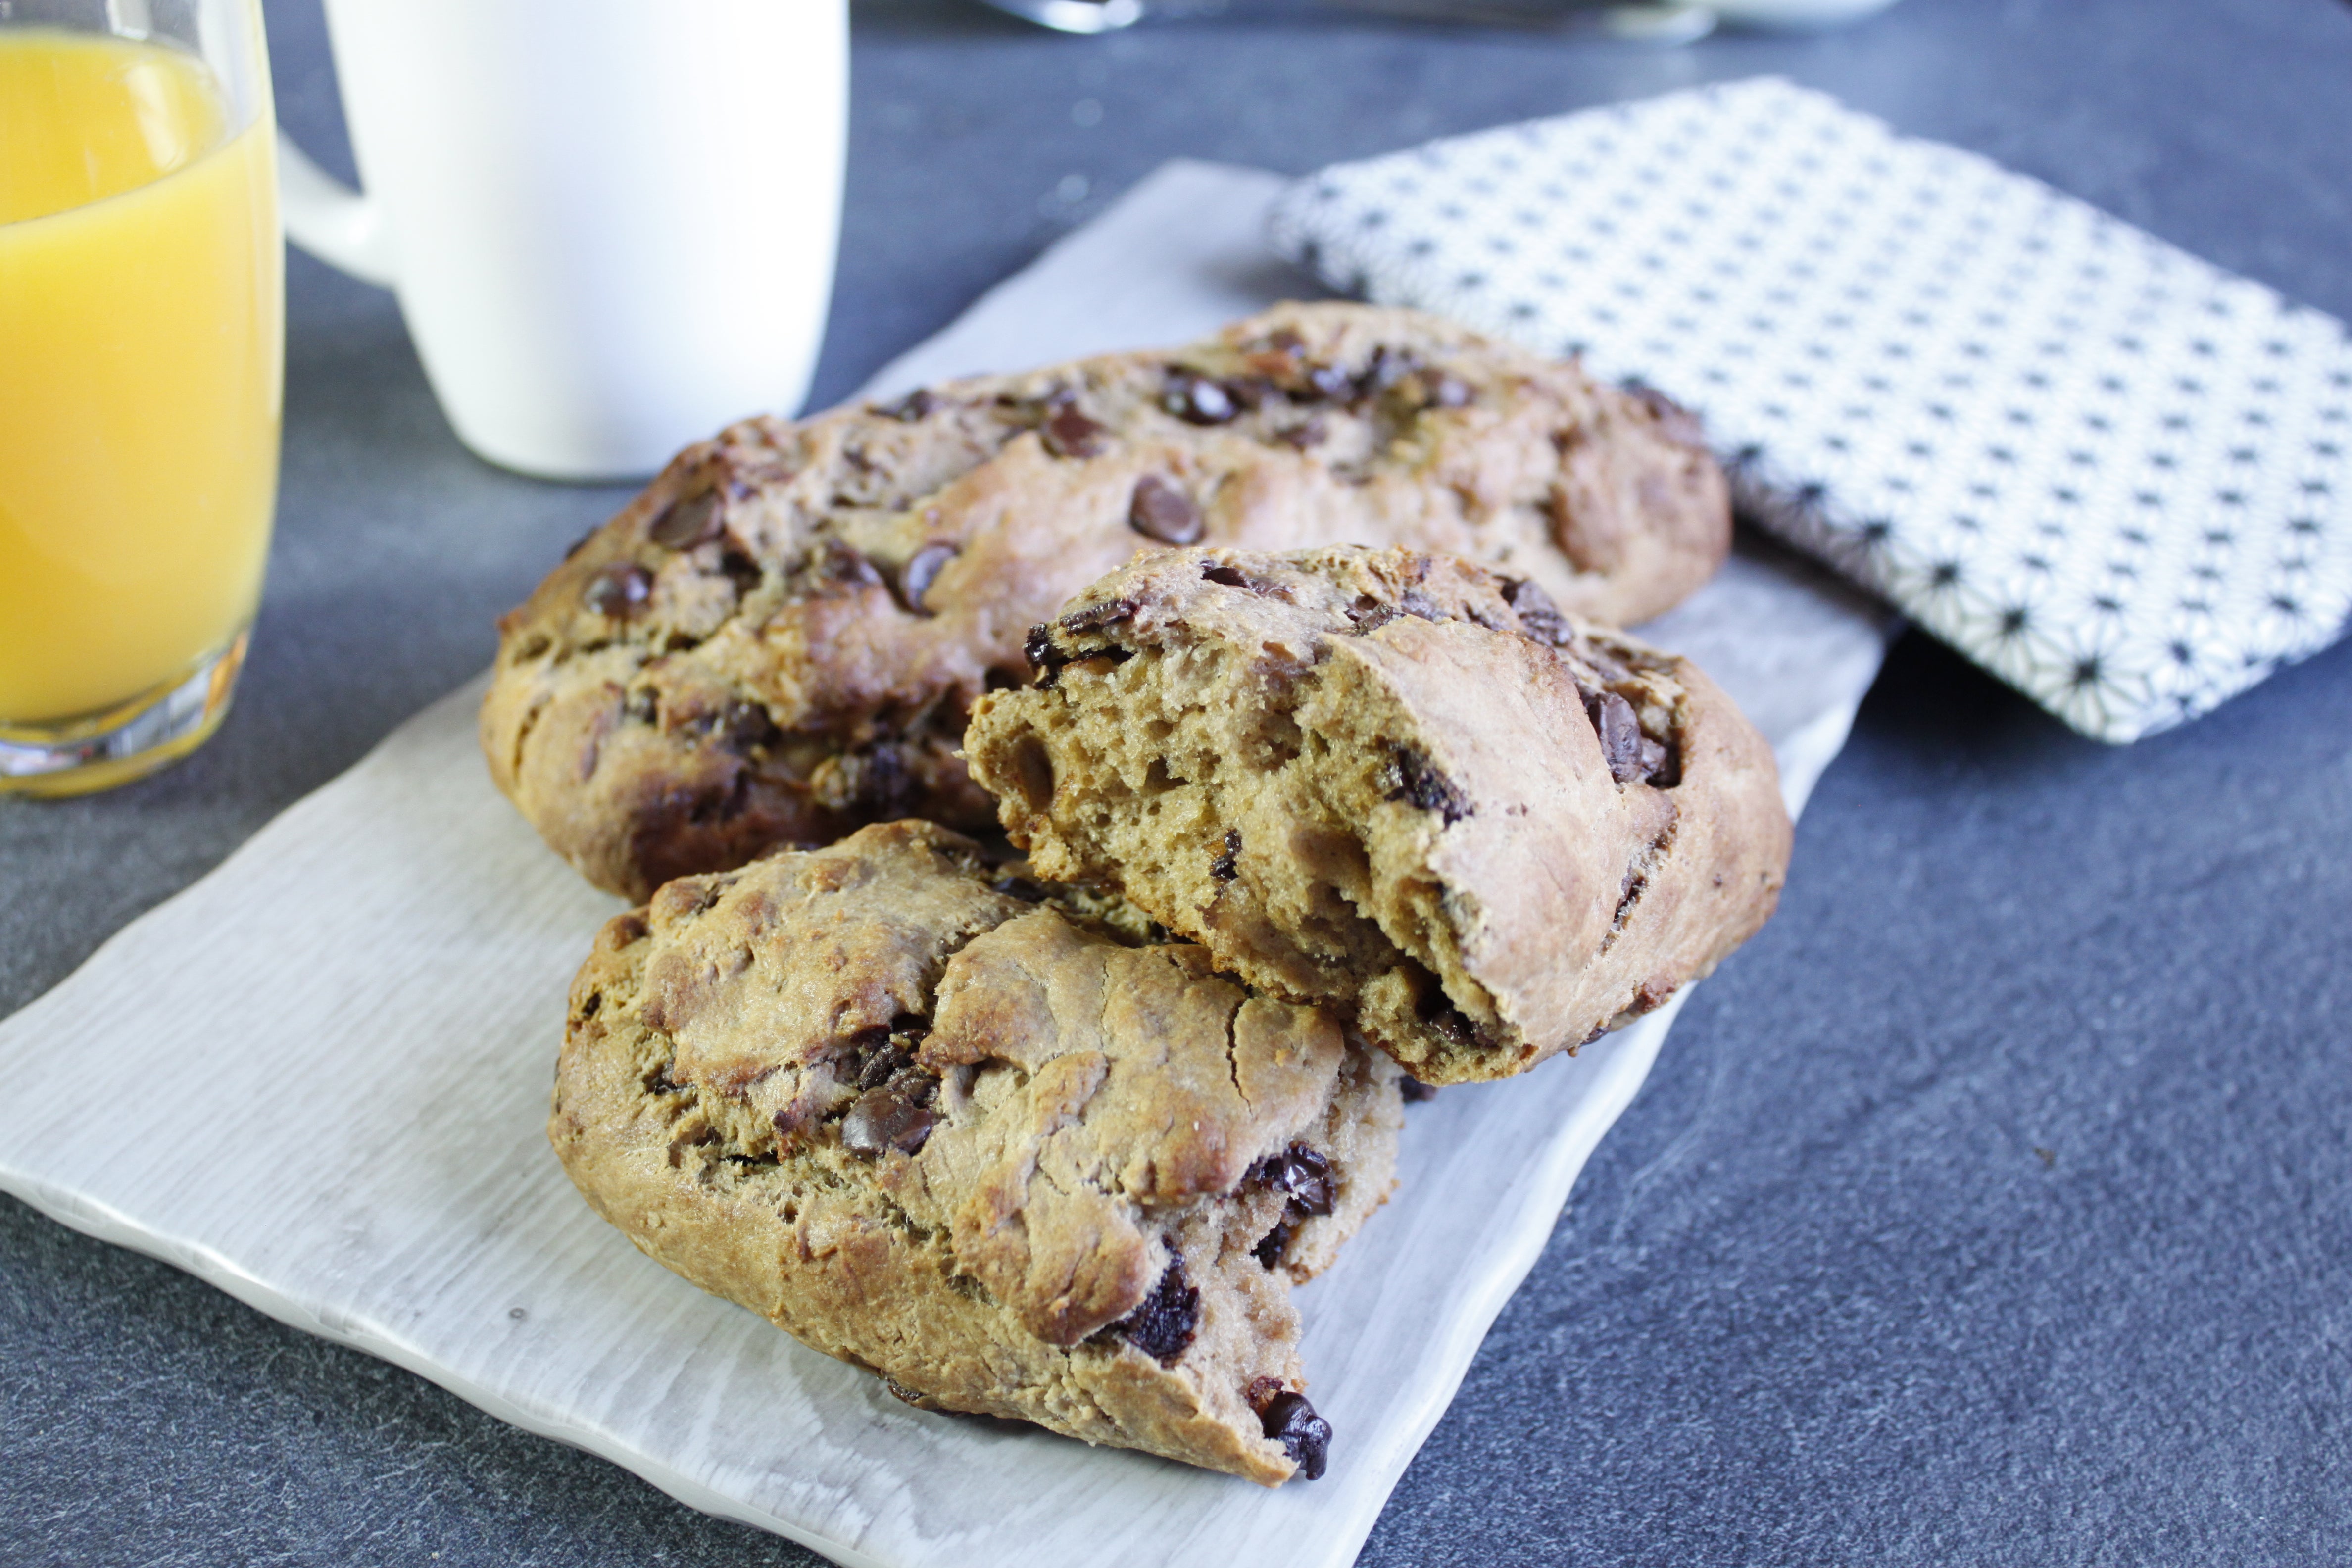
(1991, 1208)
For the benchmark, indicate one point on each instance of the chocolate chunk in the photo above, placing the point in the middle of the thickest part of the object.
(1303, 1175)
(1198, 400)
(884, 1118)
(920, 404)
(1675, 423)
(1420, 606)
(1373, 617)
(1160, 511)
(1273, 1245)
(1621, 737)
(1234, 577)
(882, 788)
(1312, 434)
(1043, 656)
(1306, 1436)
(921, 570)
(1070, 434)
(1110, 612)
(1414, 1091)
(1162, 1326)
(1251, 392)
(1387, 367)
(686, 523)
(618, 592)
(1330, 382)
(1538, 616)
(747, 574)
(741, 726)
(1226, 867)
(1418, 781)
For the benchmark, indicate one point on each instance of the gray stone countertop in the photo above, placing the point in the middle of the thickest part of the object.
(1991, 1207)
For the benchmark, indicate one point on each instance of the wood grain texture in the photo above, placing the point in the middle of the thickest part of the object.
(326, 1069)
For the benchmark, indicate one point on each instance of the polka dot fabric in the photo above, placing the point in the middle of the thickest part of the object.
(2112, 474)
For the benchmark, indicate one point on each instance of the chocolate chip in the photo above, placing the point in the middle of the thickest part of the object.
(881, 1060)
(1039, 649)
(920, 404)
(1110, 612)
(1198, 400)
(1675, 423)
(921, 570)
(686, 523)
(747, 574)
(618, 590)
(1621, 737)
(884, 1119)
(1163, 1325)
(1226, 867)
(1160, 510)
(1303, 1175)
(1251, 392)
(1371, 616)
(1306, 1436)
(1070, 434)
(884, 788)
(1329, 381)
(1387, 367)
(1538, 616)
(1418, 781)
(1420, 606)
(1312, 434)
(741, 726)
(1414, 1091)
(1273, 1245)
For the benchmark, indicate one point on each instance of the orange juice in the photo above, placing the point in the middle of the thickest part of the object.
(142, 356)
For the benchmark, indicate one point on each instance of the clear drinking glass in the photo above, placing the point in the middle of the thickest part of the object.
(141, 368)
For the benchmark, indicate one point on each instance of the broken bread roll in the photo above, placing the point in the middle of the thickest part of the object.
(781, 640)
(1395, 785)
(931, 1121)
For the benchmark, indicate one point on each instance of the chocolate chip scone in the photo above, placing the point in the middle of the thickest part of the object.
(1395, 785)
(977, 1143)
(781, 639)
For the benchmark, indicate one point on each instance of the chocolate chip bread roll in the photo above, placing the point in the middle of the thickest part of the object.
(1398, 785)
(979, 1143)
(782, 638)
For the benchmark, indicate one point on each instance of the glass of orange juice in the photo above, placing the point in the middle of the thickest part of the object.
(141, 367)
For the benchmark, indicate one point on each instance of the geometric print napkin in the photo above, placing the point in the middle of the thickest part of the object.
(2111, 473)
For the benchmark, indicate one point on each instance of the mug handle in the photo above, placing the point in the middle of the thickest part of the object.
(336, 223)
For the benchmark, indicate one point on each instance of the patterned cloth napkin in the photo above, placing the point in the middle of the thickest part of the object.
(2110, 473)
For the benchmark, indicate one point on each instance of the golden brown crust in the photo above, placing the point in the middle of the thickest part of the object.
(780, 639)
(967, 1141)
(1395, 785)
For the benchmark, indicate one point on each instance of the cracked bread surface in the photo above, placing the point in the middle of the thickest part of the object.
(1395, 785)
(977, 1143)
(781, 638)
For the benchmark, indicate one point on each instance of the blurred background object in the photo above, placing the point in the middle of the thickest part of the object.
(1663, 22)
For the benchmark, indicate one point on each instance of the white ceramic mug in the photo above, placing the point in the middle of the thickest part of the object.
(611, 223)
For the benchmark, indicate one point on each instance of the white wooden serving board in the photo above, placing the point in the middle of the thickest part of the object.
(332, 1056)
